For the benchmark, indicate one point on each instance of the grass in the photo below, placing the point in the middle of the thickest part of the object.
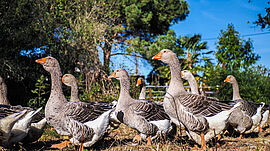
(121, 139)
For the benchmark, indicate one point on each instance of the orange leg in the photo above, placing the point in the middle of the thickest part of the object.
(219, 136)
(61, 145)
(218, 145)
(240, 137)
(260, 128)
(195, 147)
(203, 142)
(137, 138)
(149, 141)
(81, 147)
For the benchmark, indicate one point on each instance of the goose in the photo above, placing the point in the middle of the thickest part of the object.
(265, 116)
(8, 118)
(86, 122)
(251, 109)
(147, 117)
(238, 119)
(21, 128)
(187, 75)
(32, 124)
(3, 92)
(141, 82)
(34, 119)
(201, 116)
(70, 80)
(37, 125)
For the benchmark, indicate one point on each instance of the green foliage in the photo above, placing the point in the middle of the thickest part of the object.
(254, 83)
(234, 52)
(20, 30)
(151, 16)
(191, 51)
(264, 20)
(40, 92)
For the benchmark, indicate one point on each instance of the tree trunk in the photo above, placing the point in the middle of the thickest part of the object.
(189, 60)
(107, 57)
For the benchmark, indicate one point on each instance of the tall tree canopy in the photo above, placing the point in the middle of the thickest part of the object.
(234, 52)
(264, 19)
(76, 31)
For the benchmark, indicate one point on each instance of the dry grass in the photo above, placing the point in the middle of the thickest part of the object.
(121, 139)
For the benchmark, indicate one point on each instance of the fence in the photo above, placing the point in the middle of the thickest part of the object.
(204, 90)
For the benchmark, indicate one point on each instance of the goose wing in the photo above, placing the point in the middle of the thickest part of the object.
(149, 110)
(5, 111)
(36, 118)
(250, 108)
(83, 112)
(202, 105)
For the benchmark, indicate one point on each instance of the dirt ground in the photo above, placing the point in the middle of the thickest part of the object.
(121, 139)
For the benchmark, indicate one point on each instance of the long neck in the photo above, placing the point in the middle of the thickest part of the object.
(3, 95)
(193, 85)
(56, 87)
(124, 97)
(143, 92)
(176, 84)
(236, 94)
(74, 93)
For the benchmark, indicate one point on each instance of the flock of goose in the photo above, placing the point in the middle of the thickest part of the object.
(203, 117)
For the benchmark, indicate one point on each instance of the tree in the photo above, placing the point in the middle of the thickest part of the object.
(85, 29)
(75, 32)
(234, 52)
(264, 20)
(145, 19)
(20, 32)
(182, 45)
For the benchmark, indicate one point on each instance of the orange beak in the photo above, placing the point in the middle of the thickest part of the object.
(63, 79)
(41, 61)
(227, 79)
(139, 82)
(157, 56)
(112, 75)
(181, 74)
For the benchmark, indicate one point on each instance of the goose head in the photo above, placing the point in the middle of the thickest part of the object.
(69, 80)
(165, 56)
(231, 79)
(49, 63)
(119, 74)
(186, 74)
(140, 81)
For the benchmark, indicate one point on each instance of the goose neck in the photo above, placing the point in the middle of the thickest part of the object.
(3, 95)
(56, 86)
(143, 92)
(193, 85)
(176, 83)
(74, 93)
(236, 94)
(124, 89)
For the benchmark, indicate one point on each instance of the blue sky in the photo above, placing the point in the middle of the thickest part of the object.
(208, 17)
